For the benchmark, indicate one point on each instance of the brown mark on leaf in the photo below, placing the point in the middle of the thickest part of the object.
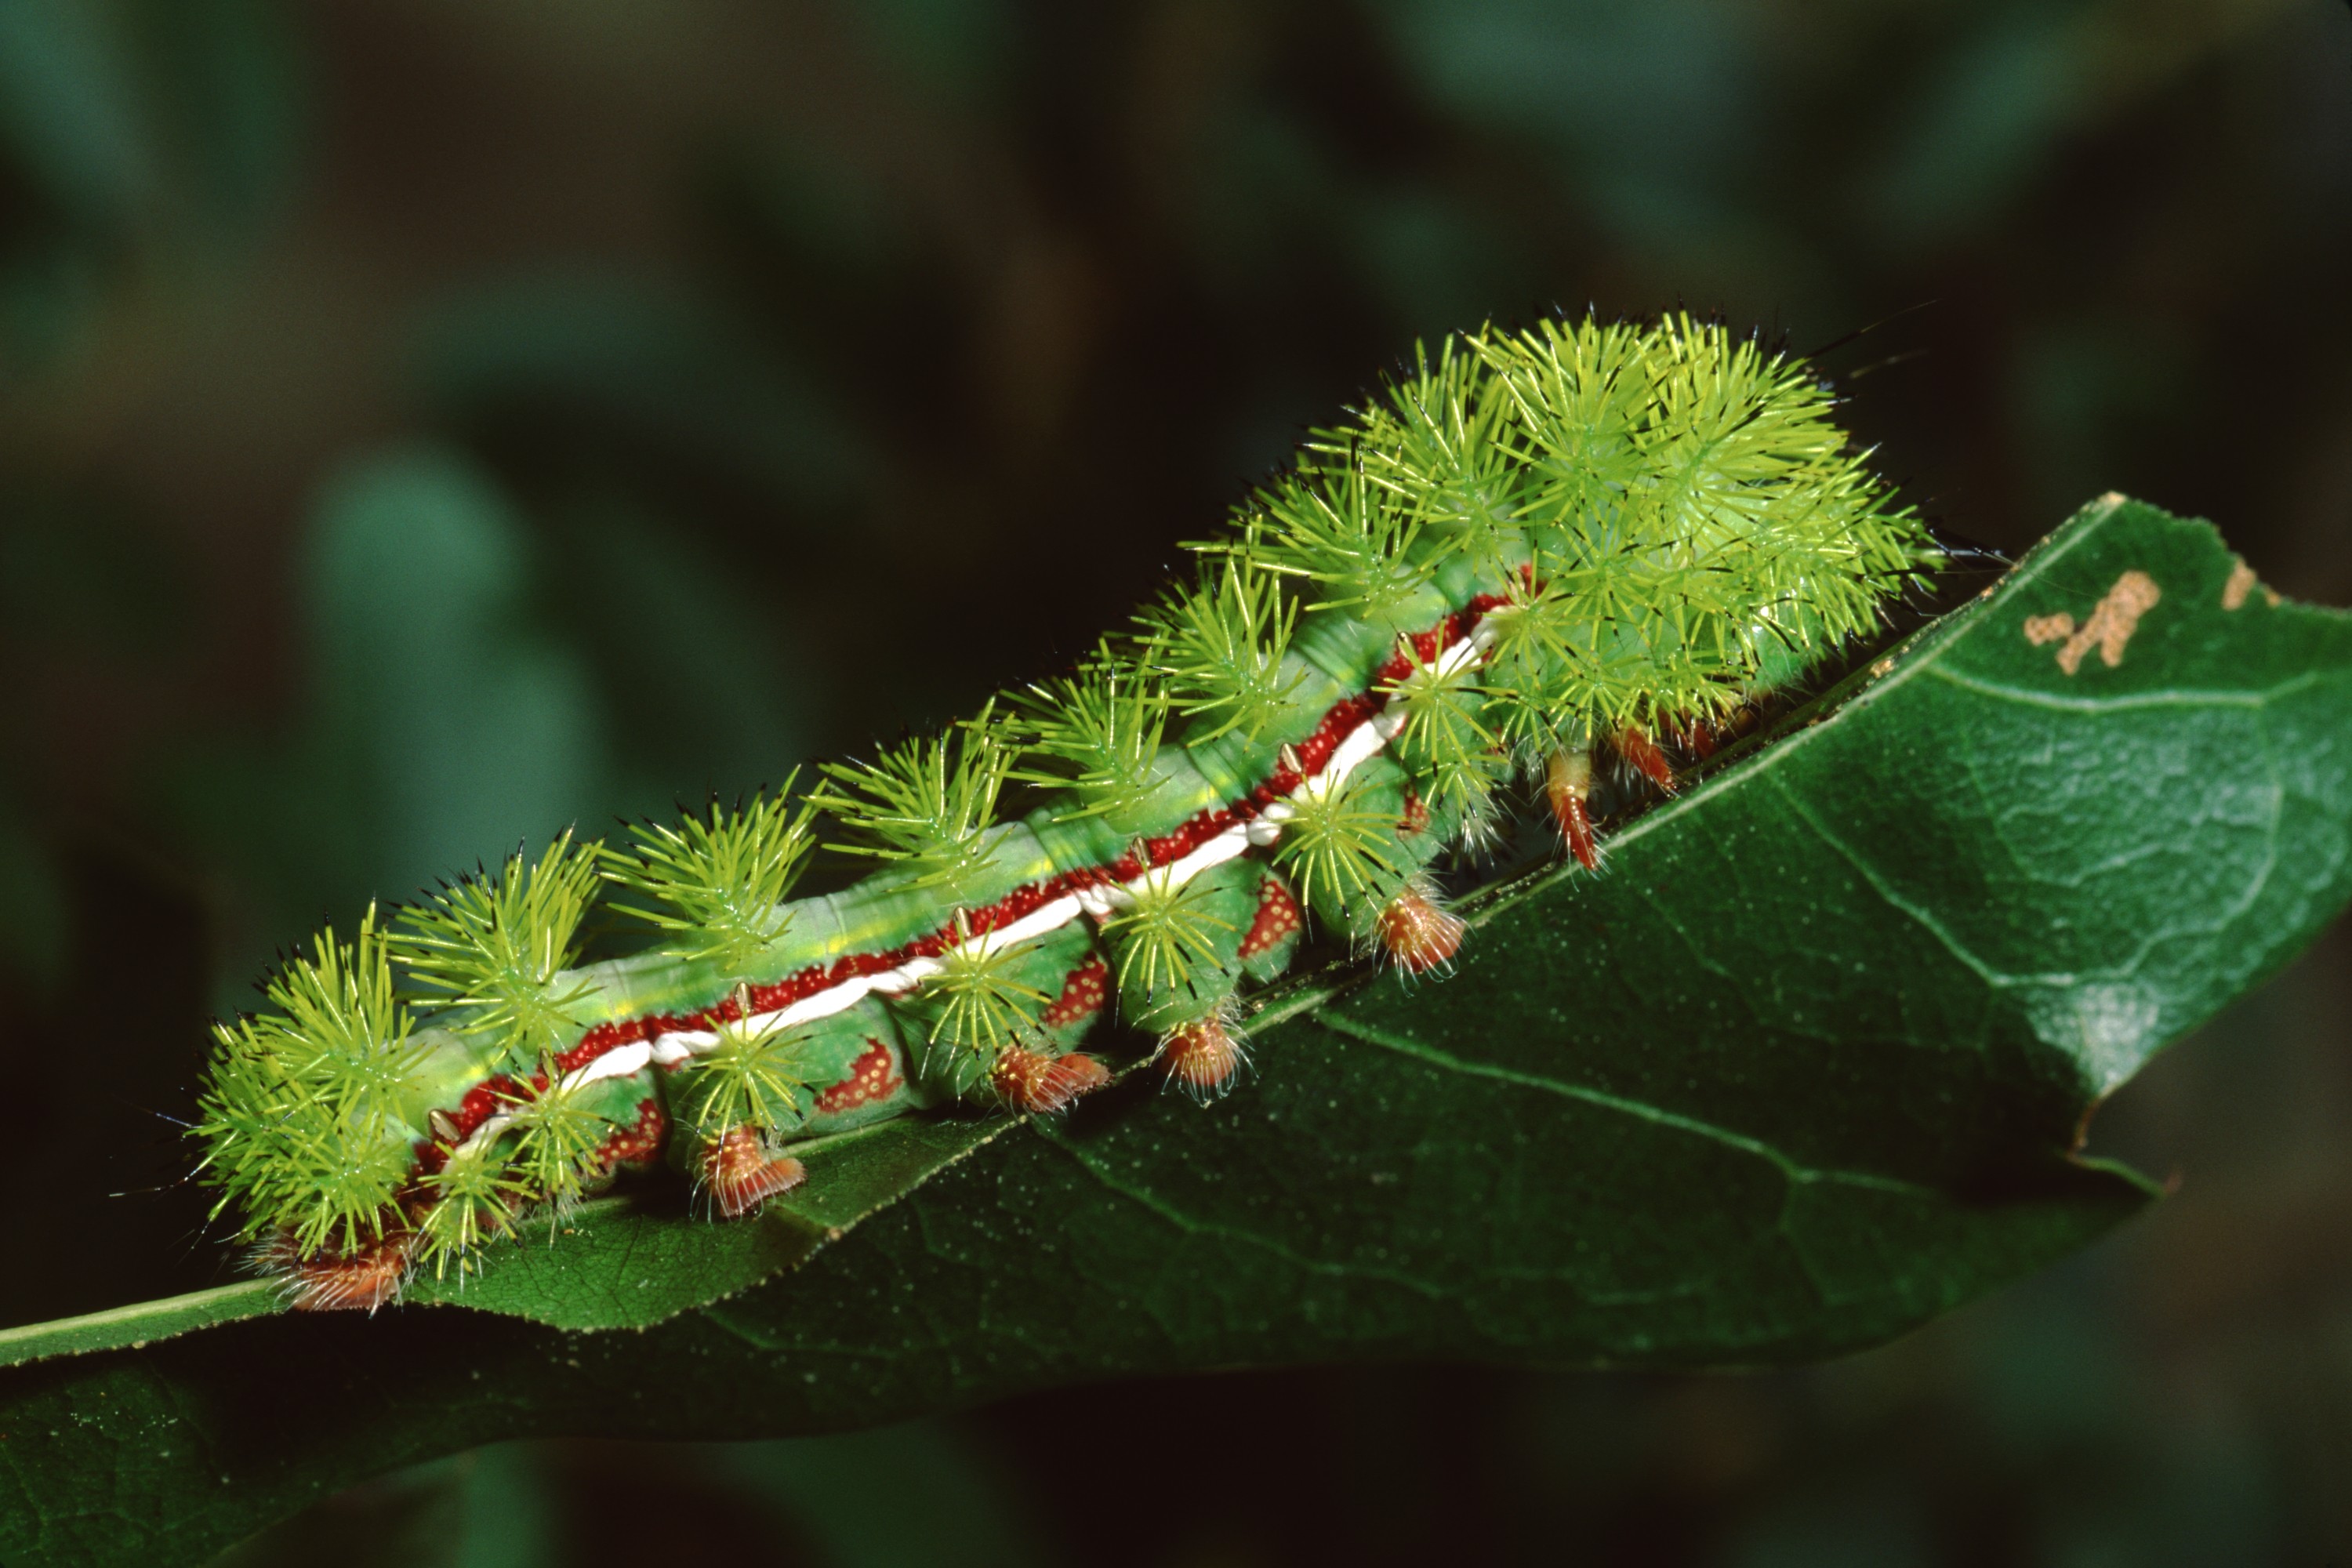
(2110, 627)
(2242, 583)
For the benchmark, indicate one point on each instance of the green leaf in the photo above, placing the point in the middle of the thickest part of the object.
(1804, 1066)
(619, 1263)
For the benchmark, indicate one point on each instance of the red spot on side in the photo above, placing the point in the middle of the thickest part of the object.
(1277, 921)
(1416, 814)
(1418, 934)
(638, 1145)
(873, 1076)
(739, 1174)
(1201, 1058)
(1033, 1082)
(1084, 992)
(355, 1281)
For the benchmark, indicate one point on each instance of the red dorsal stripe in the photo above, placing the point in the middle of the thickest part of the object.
(1296, 765)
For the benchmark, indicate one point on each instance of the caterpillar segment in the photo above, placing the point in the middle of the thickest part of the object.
(1532, 550)
(1276, 926)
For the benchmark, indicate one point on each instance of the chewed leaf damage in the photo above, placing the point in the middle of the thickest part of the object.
(1534, 552)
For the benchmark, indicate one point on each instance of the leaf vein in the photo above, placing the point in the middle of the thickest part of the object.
(1796, 1173)
(2125, 701)
(1193, 1225)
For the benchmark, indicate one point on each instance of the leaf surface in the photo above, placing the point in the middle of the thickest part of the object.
(1806, 1065)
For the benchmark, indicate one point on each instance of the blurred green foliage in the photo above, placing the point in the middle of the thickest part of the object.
(423, 425)
(129, 128)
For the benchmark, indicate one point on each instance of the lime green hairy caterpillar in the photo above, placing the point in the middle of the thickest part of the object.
(1535, 551)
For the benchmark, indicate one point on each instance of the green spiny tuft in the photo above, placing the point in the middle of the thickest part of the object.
(1530, 707)
(1221, 646)
(1446, 448)
(757, 1076)
(301, 1114)
(927, 802)
(984, 1003)
(471, 1200)
(1165, 931)
(330, 1187)
(1688, 512)
(1334, 842)
(557, 1134)
(493, 945)
(1445, 742)
(721, 882)
(1100, 731)
(1337, 528)
(1575, 388)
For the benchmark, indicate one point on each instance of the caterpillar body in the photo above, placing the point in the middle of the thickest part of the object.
(1534, 549)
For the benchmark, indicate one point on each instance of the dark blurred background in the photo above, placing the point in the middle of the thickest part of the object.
(425, 424)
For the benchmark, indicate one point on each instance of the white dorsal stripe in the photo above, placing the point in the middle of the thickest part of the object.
(1359, 745)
